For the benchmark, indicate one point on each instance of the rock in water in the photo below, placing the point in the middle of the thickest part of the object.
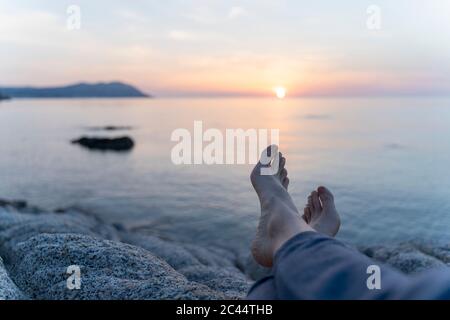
(15, 204)
(4, 97)
(105, 144)
(111, 128)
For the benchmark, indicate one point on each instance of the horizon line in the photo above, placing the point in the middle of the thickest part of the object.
(383, 93)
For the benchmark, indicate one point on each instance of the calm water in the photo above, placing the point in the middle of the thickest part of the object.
(387, 161)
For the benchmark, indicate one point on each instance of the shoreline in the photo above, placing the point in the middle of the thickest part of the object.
(38, 246)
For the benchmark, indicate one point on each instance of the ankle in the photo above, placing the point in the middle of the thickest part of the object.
(271, 200)
(293, 228)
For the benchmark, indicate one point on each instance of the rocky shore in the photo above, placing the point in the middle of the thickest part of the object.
(37, 247)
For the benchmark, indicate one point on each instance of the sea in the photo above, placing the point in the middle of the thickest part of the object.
(387, 161)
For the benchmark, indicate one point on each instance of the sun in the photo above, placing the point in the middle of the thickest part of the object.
(280, 92)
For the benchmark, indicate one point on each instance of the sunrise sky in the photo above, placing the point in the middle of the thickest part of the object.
(231, 48)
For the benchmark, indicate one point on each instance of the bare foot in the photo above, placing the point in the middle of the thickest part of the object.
(280, 219)
(320, 212)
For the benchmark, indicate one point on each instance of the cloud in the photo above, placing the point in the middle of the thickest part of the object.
(236, 12)
(202, 15)
(206, 15)
(30, 26)
(182, 35)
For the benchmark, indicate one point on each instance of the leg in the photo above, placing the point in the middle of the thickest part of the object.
(310, 264)
(280, 219)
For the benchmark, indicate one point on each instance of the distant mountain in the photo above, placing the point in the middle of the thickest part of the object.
(3, 97)
(80, 90)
